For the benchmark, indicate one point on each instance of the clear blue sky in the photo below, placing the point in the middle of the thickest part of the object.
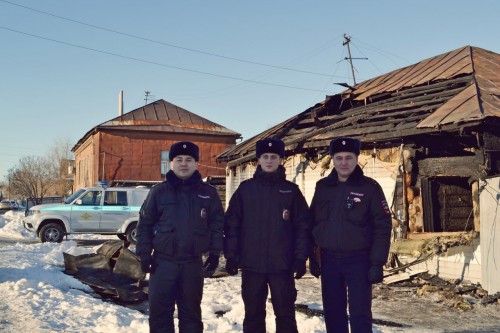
(63, 63)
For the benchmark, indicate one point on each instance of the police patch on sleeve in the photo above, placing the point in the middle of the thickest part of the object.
(385, 206)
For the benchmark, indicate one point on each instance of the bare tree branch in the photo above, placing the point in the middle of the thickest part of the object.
(38, 177)
(32, 177)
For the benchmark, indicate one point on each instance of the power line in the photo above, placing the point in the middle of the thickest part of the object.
(371, 62)
(157, 63)
(331, 79)
(272, 73)
(382, 52)
(163, 43)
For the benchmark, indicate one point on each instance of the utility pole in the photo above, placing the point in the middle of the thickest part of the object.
(148, 94)
(347, 40)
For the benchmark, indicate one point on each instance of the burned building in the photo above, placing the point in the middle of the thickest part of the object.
(430, 135)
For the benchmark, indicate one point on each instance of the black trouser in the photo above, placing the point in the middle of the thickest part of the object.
(340, 278)
(254, 290)
(176, 282)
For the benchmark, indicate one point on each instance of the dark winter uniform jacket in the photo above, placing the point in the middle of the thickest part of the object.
(180, 220)
(267, 223)
(351, 217)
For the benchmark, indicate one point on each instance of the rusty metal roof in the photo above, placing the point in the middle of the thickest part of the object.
(448, 92)
(480, 100)
(166, 117)
(161, 116)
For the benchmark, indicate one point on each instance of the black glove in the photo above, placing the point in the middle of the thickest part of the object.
(299, 268)
(376, 274)
(211, 264)
(314, 267)
(147, 264)
(232, 266)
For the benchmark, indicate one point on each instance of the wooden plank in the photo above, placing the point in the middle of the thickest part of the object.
(396, 278)
(403, 276)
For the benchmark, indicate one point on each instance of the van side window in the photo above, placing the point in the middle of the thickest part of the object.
(115, 198)
(92, 198)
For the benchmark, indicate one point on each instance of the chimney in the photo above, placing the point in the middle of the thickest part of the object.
(120, 103)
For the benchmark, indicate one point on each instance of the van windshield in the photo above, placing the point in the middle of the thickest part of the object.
(74, 196)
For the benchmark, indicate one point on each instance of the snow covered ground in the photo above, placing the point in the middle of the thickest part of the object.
(36, 296)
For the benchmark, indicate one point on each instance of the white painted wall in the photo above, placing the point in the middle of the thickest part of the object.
(311, 174)
(460, 262)
(384, 173)
(489, 197)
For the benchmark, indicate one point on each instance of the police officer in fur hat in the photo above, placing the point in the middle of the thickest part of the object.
(180, 219)
(351, 230)
(267, 236)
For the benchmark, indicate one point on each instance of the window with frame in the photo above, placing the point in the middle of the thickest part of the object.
(92, 198)
(115, 198)
(165, 163)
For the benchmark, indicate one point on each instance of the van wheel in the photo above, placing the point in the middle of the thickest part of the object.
(51, 232)
(122, 236)
(132, 233)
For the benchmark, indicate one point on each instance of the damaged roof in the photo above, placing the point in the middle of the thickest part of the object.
(450, 92)
(161, 116)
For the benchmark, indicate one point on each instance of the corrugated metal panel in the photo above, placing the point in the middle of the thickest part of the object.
(479, 100)
(163, 113)
(462, 107)
(436, 68)
(169, 113)
(446, 67)
(487, 67)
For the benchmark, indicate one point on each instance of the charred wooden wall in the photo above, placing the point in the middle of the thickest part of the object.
(492, 151)
(448, 204)
(459, 166)
(448, 201)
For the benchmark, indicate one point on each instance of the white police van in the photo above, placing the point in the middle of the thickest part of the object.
(91, 210)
